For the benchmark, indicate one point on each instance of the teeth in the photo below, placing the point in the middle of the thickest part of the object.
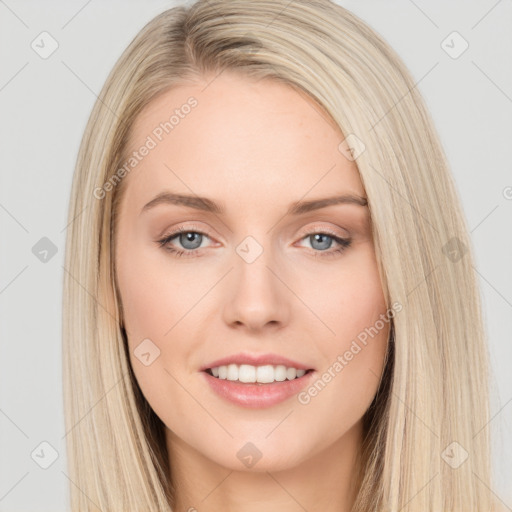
(262, 374)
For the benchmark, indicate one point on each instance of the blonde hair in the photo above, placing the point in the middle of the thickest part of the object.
(434, 391)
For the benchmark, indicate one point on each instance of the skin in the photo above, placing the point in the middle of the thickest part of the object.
(255, 148)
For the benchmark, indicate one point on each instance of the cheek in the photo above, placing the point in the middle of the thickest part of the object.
(154, 307)
(161, 301)
(354, 308)
(154, 295)
(347, 296)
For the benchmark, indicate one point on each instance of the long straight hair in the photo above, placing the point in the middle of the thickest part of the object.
(426, 444)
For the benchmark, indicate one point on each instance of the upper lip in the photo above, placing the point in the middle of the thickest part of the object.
(257, 360)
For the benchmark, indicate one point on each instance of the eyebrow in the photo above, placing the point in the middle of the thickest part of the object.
(207, 205)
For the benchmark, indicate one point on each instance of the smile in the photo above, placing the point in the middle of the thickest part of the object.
(247, 373)
(257, 387)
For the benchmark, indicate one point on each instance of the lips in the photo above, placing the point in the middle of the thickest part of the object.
(271, 388)
(256, 395)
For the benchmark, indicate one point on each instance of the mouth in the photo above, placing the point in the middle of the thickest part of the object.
(257, 387)
(257, 375)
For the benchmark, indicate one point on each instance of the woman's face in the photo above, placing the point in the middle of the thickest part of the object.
(261, 274)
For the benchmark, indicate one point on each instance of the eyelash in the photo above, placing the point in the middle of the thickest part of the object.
(344, 243)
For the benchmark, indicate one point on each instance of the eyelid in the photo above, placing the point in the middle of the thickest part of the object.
(321, 228)
(184, 228)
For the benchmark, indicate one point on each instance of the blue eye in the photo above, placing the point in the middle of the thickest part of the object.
(192, 238)
(191, 241)
(323, 241)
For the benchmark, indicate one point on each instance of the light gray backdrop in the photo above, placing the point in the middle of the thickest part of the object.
(46, 95)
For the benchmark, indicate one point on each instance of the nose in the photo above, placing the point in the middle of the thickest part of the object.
(256, 296)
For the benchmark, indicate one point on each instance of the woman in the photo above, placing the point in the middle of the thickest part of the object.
(269, 297)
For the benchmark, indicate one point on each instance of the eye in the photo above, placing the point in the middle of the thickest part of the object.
(322, 241)
(190, 239)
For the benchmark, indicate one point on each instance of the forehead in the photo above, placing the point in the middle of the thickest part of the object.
(240, 140)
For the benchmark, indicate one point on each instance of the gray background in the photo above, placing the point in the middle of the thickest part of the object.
(45, 104)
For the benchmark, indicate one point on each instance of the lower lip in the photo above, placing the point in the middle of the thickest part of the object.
(257, 396)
